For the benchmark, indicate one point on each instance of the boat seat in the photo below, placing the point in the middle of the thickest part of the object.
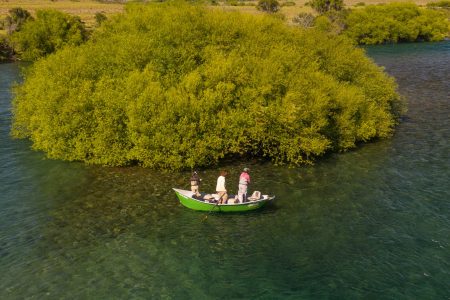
(255, 196)
(233, 201)
(208, 197)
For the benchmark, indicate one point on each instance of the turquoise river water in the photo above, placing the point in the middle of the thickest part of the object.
(373, 223)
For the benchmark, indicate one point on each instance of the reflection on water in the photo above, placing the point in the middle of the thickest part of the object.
(366, 223)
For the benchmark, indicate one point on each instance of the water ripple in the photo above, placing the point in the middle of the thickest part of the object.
(370, 223)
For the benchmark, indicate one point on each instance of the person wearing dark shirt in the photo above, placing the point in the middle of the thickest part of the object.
(195, 182)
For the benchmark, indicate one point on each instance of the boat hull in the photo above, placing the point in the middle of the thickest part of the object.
(195, 204)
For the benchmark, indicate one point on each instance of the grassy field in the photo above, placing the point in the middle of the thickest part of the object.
(293, 10)
(86, 9)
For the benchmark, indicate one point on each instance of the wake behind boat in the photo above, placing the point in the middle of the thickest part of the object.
(208, 202)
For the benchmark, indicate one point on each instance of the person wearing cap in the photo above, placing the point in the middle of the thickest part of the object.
(244, 181)
(195, 182)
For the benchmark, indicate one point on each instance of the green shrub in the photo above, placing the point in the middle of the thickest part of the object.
(439, 4)
(288, 3)
(323, 23)
(236, 3)
(323, 6)
(360, 4)
(395, 22)
(232, 2)
(175, 86)
(6, 52)
(16, 19)
(50, 31)
(337, 19)
(100, 18)
(270, 6)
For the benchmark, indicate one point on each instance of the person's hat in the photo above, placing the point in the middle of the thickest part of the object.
(246, 169)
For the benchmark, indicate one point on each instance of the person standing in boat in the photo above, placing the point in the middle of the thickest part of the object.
(244, 181)
(195, 182)
(220, 187)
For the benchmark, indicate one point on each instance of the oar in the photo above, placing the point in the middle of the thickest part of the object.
(218, 201)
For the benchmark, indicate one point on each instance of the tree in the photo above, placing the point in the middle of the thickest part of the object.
(50, 31)
(395, 22)
(6, 52)
(270, 6)
(100, 18)
(323, 6)
(16, 19)
(175, 86)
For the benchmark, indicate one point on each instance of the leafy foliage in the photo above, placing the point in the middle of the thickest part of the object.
(323, 23)
(396, 22)
(439, 4)
(270, 6)
(288, 3)
(175, 86)
(323, 6)
(50, 31)
(6, 52)
(16, 19)
(100, 18)
(331, 15)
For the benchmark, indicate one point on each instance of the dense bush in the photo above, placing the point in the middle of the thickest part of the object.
(16, 19)
(6, 52)
(323, 6)
(50, 31)
(439, 4)
(288, 3)
(100, 18)
(270, 6)
(395, 22)
(176, 86)
(323, 23)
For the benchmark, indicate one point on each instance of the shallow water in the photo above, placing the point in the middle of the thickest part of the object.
(372, 223)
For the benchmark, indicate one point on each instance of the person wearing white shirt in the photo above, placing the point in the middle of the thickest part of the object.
(220, 187)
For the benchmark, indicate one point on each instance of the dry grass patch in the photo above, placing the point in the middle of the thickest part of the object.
(300, 6)
(85, 9)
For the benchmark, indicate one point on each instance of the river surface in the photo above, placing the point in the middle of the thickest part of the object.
(373, 223)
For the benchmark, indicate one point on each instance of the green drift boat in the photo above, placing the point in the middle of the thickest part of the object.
(187, 200)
